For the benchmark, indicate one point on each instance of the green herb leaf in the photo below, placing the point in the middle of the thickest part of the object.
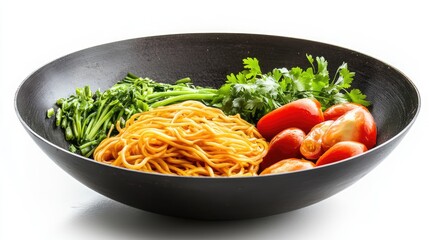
(357, 96)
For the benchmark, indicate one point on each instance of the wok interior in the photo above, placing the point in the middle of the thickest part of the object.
(207, 59)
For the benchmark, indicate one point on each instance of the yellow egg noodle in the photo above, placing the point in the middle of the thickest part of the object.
(187, 139)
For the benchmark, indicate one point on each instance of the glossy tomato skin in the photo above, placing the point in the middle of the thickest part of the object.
(284, 145)
(288, 165)
(341, 151)
(311, 146)
(338, 110)
(355, 125)
(302, 114)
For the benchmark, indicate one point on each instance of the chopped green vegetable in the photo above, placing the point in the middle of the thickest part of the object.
(50, 112)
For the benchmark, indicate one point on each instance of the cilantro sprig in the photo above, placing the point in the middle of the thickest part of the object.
(252, 93)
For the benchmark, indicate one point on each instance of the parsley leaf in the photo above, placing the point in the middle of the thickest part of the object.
(357, 96)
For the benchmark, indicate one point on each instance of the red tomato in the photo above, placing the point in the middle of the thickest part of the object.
(341, 151)
(355, 125)
(311, 147)
(302, 114)
(337, 110)
(288, 165)
(284, 145)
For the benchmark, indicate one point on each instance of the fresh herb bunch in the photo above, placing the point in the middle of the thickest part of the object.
(88, 118)
(252, 94)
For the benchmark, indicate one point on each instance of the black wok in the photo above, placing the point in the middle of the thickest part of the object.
(207, 59)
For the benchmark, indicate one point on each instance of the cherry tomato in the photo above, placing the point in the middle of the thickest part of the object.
(355, 125)
(303, 114)
(311, 147)
(288, 165)
(337, 110)
(341, 151)
(284, 145)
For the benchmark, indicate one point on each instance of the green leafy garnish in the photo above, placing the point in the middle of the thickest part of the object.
(252, 94)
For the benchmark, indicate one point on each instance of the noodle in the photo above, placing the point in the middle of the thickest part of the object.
(187, 139)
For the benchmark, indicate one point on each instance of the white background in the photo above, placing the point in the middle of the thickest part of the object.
(40, 201)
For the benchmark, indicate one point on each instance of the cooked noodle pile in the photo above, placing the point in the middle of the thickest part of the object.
(188, 139)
